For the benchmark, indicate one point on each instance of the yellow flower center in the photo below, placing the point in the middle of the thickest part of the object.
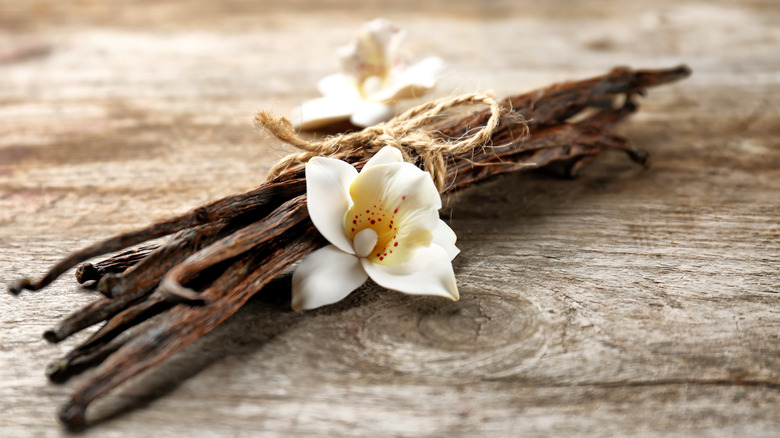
(382, 220)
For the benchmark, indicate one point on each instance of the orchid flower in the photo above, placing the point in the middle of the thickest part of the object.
(374, 76)
(381, 223)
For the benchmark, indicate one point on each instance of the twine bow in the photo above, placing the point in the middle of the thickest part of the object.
(406, 132)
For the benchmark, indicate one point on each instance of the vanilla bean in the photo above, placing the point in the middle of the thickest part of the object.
(273, 226)
(144, 352)
(185, 324)
(62, 369)
(136, 284)
(235, 245)
(93, 313)
(288, 215)
(548, 106)
(150, 270)
(94, 350)
(274, 192)
(542, 147)
(555, 104)
(113, 265)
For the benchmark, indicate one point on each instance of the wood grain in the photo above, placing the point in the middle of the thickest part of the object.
(625, 302)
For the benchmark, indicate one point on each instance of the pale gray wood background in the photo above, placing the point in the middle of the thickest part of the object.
(625, 302)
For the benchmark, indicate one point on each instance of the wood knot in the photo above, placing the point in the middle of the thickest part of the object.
(480, 335)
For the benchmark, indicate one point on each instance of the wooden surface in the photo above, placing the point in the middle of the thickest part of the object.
(626, 302)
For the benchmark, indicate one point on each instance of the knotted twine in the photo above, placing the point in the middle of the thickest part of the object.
(405, 132)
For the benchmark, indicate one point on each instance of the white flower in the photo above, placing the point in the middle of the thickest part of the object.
(374, 76)
(382, 223)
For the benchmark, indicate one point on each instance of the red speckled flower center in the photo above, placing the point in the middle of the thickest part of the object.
(382, 219)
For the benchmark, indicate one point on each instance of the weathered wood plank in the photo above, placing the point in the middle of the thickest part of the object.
(628, 301)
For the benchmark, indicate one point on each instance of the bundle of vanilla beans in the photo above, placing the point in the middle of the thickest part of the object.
(226, 251)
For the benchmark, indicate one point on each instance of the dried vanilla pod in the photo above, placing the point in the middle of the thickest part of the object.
(224, 252)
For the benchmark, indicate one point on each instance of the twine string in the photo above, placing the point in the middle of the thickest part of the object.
(405, 132)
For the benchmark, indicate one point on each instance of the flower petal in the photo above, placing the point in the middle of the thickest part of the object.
(324, 277)
(322, 111)
(429, 273)
(444, 237)
(328, 200)
(400, 202)
(370, 113)
(413, 82)
(373, 51)
(386, 155)
(339, 86)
